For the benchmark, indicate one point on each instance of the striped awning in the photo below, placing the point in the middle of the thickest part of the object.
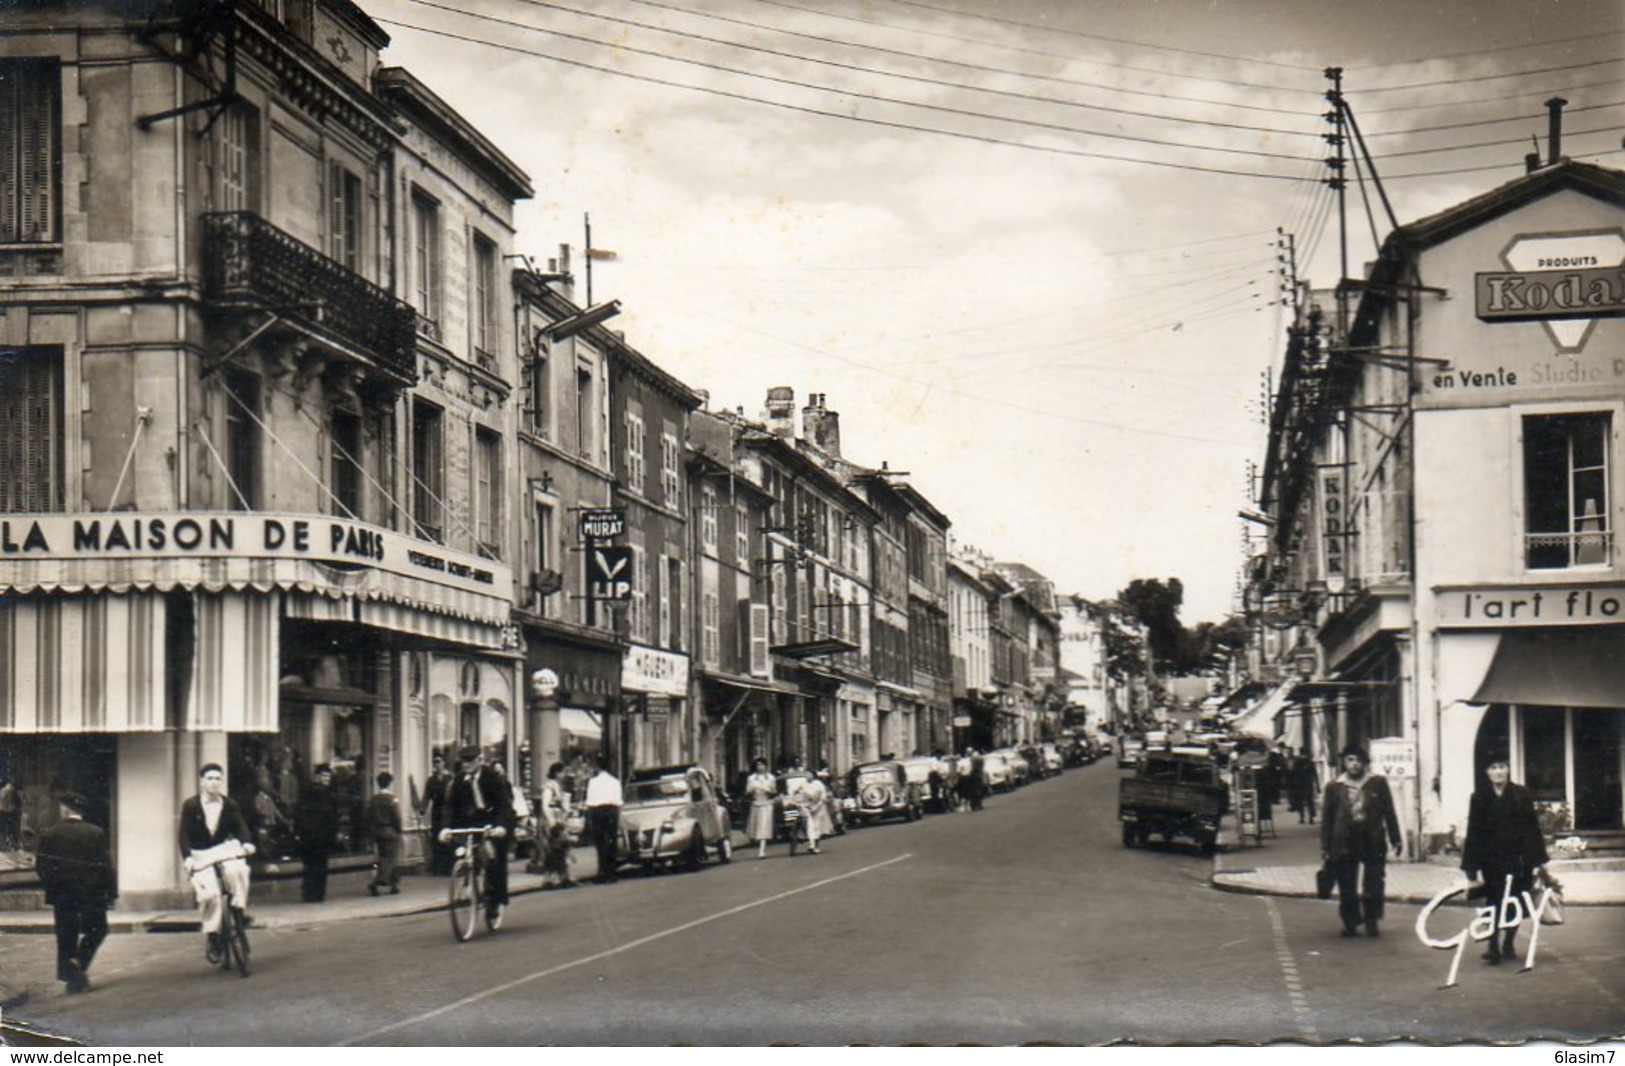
(82, 664)
(234, 671)
(406, 619)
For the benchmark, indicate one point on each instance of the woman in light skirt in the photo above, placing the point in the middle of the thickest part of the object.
(761, 788)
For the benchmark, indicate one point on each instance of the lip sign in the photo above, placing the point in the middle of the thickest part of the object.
(1486, 922)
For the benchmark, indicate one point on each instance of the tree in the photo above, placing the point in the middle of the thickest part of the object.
(1155, 605)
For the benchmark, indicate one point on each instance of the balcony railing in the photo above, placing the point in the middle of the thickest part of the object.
(1560, 551)
(250, 263)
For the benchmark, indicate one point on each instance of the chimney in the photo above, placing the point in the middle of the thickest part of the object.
(781, 411)
(1554, 127)
(829, 429)
(812, 419)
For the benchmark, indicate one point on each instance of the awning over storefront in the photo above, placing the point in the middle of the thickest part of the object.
(444, 627)
(580, 724)
(235, 671)
(1259, 719)
(1572, 667)
(82, 664)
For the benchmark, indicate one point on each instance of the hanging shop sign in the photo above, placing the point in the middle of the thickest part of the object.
(199, 535)
(654, 671)
(1334, 531)
(603, 523)
(609, 574)
(1393, 757)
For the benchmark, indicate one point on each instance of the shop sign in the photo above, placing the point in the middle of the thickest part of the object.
(586, 678)
(652, 670)
(609, 574)
(657, 708)
(1392, 757)
(603, 523)
(214, 535)
(1556, 605)
(1334, 532)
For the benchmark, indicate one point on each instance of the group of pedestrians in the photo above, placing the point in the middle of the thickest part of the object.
(1505, 850)
(806, 797)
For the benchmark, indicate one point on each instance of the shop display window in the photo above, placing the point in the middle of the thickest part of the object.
(267, 773)
(1543, 770)
(34, 771)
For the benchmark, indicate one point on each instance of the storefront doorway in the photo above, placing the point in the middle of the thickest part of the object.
(1571, 757)
(1597, 785)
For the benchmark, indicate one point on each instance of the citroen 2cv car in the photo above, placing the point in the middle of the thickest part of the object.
(672, 816)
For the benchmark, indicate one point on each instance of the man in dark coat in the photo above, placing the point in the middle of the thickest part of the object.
(316, 821)
(384, 826)
(436, 792)
(480, 797)
(1303, 782)
(1504, 844)
(77, 871)
(1356, 811)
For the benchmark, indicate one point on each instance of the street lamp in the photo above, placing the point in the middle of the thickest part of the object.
(544, 728)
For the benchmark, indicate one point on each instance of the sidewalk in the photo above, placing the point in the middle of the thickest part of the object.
(1285, 865)
(347, 900)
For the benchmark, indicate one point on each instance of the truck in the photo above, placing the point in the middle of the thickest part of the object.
(1178, 793)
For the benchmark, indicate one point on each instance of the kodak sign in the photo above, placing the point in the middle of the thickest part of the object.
(1523, 295)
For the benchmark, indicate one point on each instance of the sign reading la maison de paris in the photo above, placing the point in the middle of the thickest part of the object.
(32, 544)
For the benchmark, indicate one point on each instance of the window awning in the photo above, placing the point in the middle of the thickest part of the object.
(1571, 667)
(82, 664)
(580, 724)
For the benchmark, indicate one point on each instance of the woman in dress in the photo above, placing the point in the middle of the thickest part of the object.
(1504, 844)
(760, 788)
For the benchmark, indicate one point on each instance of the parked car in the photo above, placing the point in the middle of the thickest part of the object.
(1035, 761)
(1051, 759)
(672, 816)
(1129, 749)
(996, 771)
(881, 790)
(935, 778)
(1021, 771)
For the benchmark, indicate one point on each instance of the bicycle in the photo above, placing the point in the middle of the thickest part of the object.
(233, 936)
(468, 886)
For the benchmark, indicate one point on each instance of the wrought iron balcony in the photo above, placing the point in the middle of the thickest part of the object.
(251, 264)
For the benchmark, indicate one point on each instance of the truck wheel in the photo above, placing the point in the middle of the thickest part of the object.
(1128, 835)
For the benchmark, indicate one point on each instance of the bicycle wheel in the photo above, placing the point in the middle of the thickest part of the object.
(235, 938)
(463, 897)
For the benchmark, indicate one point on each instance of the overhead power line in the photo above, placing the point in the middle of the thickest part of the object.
(1052, 127)
(882, 123)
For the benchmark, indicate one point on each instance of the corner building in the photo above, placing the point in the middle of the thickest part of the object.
(255, 420)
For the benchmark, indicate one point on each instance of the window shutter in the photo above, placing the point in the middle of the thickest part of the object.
(38, 118)
(760, 666)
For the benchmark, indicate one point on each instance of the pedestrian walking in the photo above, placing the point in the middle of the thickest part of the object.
(1504, 844)
(212, 827)
(436, 790)
(77, 871)
(1303, 783)
(761, 788)
(553, 833)
(604, 799)
(1358, 810)
(1270, 779)
(481, 797)
(316, 822)
(384, 825)
(11, 814)
(809, 795)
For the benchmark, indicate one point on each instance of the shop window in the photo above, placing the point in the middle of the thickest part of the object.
(31, 433)
(1543, 743)
(30, 150)
(34, 771)
(1567, 513)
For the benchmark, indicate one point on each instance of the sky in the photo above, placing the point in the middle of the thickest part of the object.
(1032, 250)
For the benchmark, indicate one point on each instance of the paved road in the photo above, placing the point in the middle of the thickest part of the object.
(1027, 922)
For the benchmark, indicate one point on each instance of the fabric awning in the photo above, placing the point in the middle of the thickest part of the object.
(1259, 719)
(580, 724)
(82, 664)
(1570, 667)
(234, 674)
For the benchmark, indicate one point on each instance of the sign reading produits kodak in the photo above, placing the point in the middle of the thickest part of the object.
(37, 542)
(1555, 605)
(1559, 286)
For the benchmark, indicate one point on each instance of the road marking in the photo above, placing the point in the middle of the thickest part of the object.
(508, 986)
(1289, 973)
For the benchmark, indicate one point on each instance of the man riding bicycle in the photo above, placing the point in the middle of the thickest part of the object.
(480, 797)
(212, 826)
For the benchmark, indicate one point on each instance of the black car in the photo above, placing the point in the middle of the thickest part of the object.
(880, 790)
